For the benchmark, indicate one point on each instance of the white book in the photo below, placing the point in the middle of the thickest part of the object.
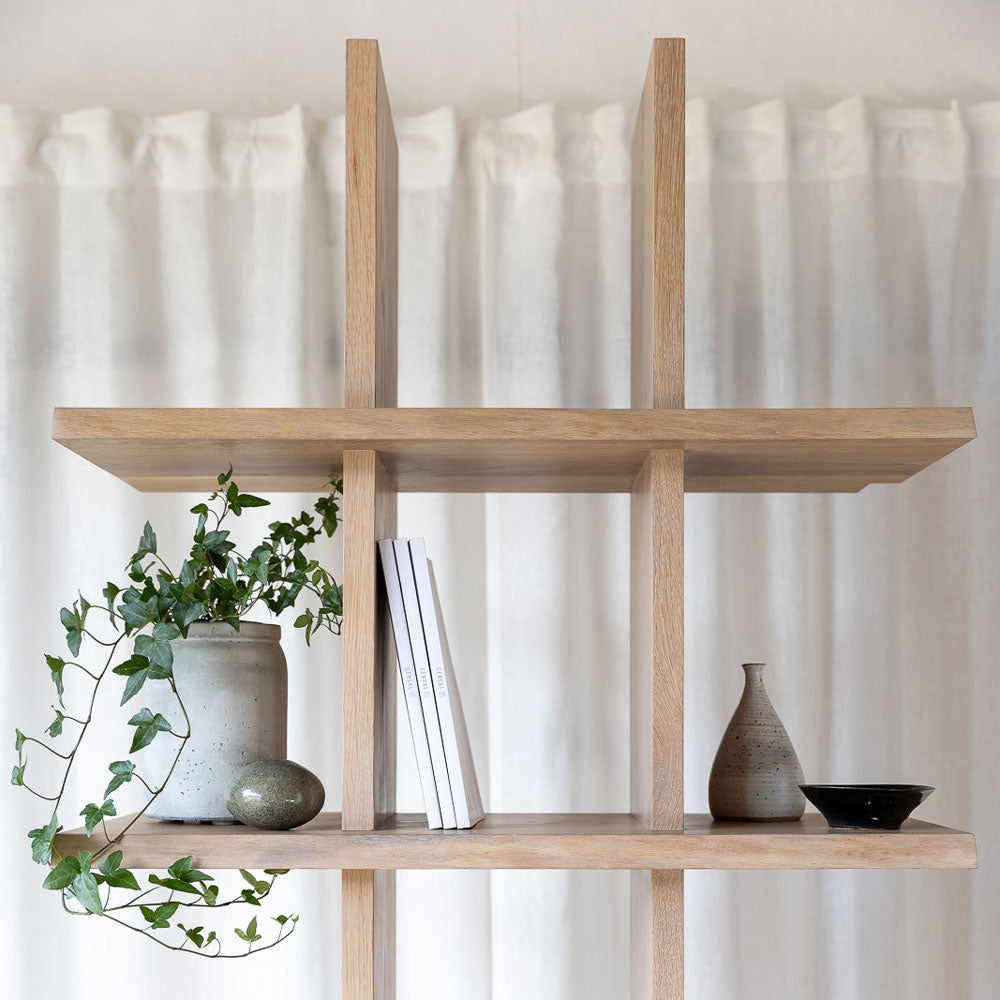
(408, 676)
(458, 753)
(425, 685)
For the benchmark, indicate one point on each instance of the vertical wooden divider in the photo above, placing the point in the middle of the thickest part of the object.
(656, 698)
(370, 371)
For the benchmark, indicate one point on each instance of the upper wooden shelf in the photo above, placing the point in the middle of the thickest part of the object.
(527, 840)
(515, 450)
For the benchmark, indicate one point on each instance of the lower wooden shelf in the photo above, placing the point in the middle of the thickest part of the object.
(600, 841)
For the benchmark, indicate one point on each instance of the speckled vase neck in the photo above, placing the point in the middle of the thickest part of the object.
(756, 773)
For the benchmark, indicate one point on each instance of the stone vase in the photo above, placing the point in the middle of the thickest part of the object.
(235, 688)
(756, 774)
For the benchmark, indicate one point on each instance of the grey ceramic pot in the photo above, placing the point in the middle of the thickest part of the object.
(756, 774)
(235, 689)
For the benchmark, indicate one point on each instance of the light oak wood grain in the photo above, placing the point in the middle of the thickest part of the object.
(371, 240)
(656, 917)
(368, 905)
(605, 841)
(658, 231)
(515, 450)
(369, 674)
(656, 674)
(656, 650)
(370, 375)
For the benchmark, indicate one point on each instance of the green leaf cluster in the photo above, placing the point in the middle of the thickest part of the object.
(93, 814)
(75, 876)
(144, 614)
(182, 877)
(147, 726)
(249, 935)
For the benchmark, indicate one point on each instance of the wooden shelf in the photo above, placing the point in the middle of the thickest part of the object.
(602, 841)
(515, 450)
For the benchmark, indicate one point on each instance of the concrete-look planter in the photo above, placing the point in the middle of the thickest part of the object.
(235, 688)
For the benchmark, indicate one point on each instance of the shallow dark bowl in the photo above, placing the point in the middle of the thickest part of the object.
(866, 807)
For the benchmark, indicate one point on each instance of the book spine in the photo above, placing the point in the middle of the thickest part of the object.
(425, 685)
(468, 807)
(418, 555)
(408, 677)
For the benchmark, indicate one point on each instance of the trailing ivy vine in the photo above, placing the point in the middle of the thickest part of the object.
(131, 633)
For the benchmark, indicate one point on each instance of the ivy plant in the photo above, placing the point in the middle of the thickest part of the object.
(131, 632)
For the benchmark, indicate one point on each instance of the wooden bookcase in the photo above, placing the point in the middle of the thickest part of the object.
(656, 451)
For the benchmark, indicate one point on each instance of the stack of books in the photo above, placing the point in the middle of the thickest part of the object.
(433, 705)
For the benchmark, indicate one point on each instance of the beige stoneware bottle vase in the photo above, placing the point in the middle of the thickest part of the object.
(756, 774)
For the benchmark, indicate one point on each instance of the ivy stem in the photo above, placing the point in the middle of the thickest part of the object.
(136, 774)
(38, 795)
(101, 642)
(80, 666)
(121, 833)
(84, 725)
(45, 746)
(282, 936)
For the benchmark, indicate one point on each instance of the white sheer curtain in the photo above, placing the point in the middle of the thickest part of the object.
(849, 257)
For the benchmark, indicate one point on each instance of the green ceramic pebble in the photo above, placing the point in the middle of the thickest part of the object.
(275, 795)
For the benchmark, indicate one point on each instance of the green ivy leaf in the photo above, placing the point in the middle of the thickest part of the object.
(276, 871)
(133, 685)
(218, 542)
(73, 623)
(160, 917)
(193, 934)
(180, 866)
(111, 863)
(84, 889)
(175, 884)
(156, 647)
(63, 874)
(93, 814)
(147, 726)
(111, 592)
(249, 897)
(55, 727)
(185, 613)
(138, 670)
(122, 771)
(147, 543)
(224, 477)
(258, 886)
(19, 739)
(56, 665)
(41, 841)
(250, 934)
(249, 500)
(122, 879)
(138, 612)
(17, 774)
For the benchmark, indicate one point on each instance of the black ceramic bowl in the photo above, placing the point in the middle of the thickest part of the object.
(866, 807)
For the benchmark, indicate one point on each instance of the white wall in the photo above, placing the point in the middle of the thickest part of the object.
(260, 56)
